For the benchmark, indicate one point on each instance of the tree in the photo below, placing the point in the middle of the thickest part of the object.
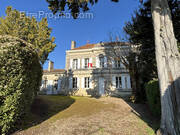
(168, 63)
(167, 57)
(20, 79)
(140, 31)
(37, 33)
(128, 55)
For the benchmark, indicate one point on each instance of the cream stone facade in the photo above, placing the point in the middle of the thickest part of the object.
(91, 70)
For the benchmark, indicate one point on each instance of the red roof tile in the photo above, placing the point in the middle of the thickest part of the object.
(87, 46)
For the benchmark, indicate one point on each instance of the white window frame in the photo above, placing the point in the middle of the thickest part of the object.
(126, 82)
(75, 63)
(87, 82)
(56, 84)
(117, 63)
(97, 62)
(101, 62)
(118, 82)
(86, 62)
(74, 83)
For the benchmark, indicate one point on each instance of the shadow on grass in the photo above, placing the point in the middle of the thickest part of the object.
(142, 111)
(45, 107)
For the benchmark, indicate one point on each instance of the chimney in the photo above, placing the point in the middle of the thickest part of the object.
(73, 44)
(50, 66)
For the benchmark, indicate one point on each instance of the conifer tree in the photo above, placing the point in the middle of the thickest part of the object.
(140, 31)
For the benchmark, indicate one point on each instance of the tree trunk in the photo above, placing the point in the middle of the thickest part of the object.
(133, 81)
(168, 63)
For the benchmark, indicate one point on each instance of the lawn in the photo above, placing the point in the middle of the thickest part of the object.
(63, 115)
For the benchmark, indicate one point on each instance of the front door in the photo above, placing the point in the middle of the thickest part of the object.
(101, 86)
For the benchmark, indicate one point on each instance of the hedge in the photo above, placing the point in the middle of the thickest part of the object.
(20, 79)
(153, 97)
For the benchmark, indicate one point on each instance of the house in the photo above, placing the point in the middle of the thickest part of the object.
(92, 69)
(52, 80)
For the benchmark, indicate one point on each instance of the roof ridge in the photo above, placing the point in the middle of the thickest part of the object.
(55, 70)
(89, 46)
(86, 46)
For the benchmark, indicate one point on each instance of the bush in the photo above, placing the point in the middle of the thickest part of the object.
(153, 96)
(20, 78)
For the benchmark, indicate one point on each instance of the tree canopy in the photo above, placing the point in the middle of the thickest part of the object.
(140, 31)
(29, 29)
(75, 6)
(140, 28)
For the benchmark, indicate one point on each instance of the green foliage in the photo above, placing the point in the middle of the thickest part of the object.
(37, 33)
(20, 75)
(141, 32)
(175, 11)
(153, 96)
(75, 6)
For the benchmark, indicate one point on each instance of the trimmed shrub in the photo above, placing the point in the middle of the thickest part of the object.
(153, 97)
(20, 79)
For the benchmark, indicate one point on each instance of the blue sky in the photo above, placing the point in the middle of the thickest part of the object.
(107, 17)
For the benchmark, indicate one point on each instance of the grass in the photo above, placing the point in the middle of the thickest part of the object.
(85, 116)
(52, 108)
(44, 107)
(82, 107)
(148, 130)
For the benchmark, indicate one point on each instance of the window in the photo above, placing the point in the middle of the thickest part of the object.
(56, 84)
(45, 83)
(74, 82)
(75, 63)
(118, 82)
(101, 59)
(125, 79)
(86, 82)
(117, 63)
(86, 63)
